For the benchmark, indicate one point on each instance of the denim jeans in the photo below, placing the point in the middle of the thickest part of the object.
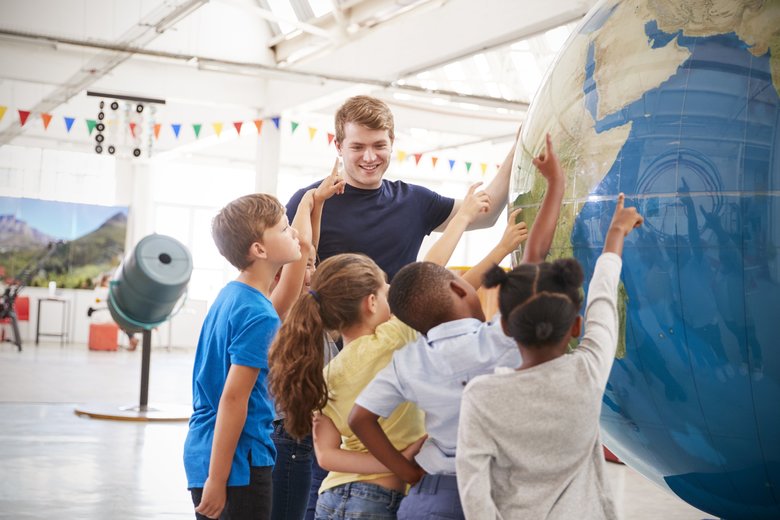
(317, 476)
(358, 500)
(252, 502)
(435, 497)
(292, 474)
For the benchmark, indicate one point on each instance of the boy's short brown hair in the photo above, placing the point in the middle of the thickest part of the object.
(366, 111)
(241, 223)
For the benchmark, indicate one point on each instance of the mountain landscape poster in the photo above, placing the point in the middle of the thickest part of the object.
(69, 243)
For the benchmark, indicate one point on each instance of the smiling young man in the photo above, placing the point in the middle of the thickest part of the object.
(386, 220)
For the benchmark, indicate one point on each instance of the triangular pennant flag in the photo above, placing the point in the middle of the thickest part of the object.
(498, 166)
(312, 131)
(468, 166)
(91, 125)
(294, 126)
(330, 137)
(417, 158)
(2, 112)
(217, 128)
(132, 129)
(484, 167)
(46, 120)
(401, 156)
(196, 129)
(434, 160)
(69, 122)
(259, 125)
(276, 122)
(156, 130)
(23, 115)
(452, 163)
(237, 126)
(176, 127)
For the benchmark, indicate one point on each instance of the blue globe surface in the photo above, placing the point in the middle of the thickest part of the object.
(677, 105)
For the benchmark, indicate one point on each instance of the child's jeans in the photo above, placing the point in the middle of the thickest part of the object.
(292, 474)
(358, 500)
(252, 502)
(434, 497)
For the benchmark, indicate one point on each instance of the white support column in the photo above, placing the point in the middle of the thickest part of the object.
(134, 189)
(267, 161)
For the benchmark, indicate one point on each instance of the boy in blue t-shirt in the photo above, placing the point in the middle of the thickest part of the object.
(228, 454)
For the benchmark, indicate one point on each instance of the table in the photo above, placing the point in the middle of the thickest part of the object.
(63, 333)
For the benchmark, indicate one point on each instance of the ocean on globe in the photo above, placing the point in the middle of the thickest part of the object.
(676, 104)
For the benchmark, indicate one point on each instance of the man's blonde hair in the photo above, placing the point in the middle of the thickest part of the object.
(241, 223)
(366, 111)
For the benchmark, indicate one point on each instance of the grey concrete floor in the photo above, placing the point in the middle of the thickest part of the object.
(55, 464)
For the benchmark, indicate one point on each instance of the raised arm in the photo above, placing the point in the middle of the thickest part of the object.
(476, 203)
(332, 185)
(330, 456)
(514, 234)
(497, 190)
(543, 230)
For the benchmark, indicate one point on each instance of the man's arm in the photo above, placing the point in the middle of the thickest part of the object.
(365, 425)
(231, 417)
(497, 190)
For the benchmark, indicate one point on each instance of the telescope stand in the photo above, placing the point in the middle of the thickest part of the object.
(143, 411)
(15, 331)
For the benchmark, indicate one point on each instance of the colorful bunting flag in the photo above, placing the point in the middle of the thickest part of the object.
(46, 120)
(294, 126)
(330, 136)
(417, 158)
(434, 160)
(2, 112)
(68, 122)
(484, 167)
(237, 126)
(468, 167)
(259, 125)
(452, 163)
(312, 131)
(156, 130)
(91, 125)
(176, 127)
(196, 129)
(132, 129)
(401, 156)
(23, 115)
(217, 128)
(276, 122)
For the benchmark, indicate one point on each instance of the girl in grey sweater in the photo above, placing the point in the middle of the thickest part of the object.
(528, 439)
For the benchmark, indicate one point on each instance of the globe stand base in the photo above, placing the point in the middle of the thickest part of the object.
(142, 411)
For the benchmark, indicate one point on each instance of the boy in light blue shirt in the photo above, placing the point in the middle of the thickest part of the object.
(456, 346)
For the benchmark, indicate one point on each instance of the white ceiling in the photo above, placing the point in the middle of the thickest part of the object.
(462, 69)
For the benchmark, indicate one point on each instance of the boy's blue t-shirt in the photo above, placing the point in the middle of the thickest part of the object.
(238, 329)
(387, 224)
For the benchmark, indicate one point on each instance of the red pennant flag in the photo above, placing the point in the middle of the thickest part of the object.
(238, 124)
(417, 158)
(23, 115)
(132, 130)
(330, 137)
(434, 160)
(46, 120)
(259, 125)
(156, 129)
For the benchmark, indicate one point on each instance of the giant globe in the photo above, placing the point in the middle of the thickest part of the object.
(675, 103)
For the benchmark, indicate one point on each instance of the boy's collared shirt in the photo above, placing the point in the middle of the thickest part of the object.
(432, 373)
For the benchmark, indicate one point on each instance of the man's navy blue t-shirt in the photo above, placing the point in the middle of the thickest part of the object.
(387, 224)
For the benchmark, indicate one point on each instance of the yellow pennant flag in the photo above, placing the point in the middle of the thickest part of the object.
(217, 128)
(2, 112)
(484, 167)
(401, 156)
(312, 131)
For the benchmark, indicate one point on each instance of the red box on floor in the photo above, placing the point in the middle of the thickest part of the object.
(103, 336)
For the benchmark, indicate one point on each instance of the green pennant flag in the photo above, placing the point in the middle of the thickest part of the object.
(294, 126)
(91, 125)
(468, 166)
(196, 129)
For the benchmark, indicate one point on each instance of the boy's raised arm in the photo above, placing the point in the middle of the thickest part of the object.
(542, 232)
(514, 234)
